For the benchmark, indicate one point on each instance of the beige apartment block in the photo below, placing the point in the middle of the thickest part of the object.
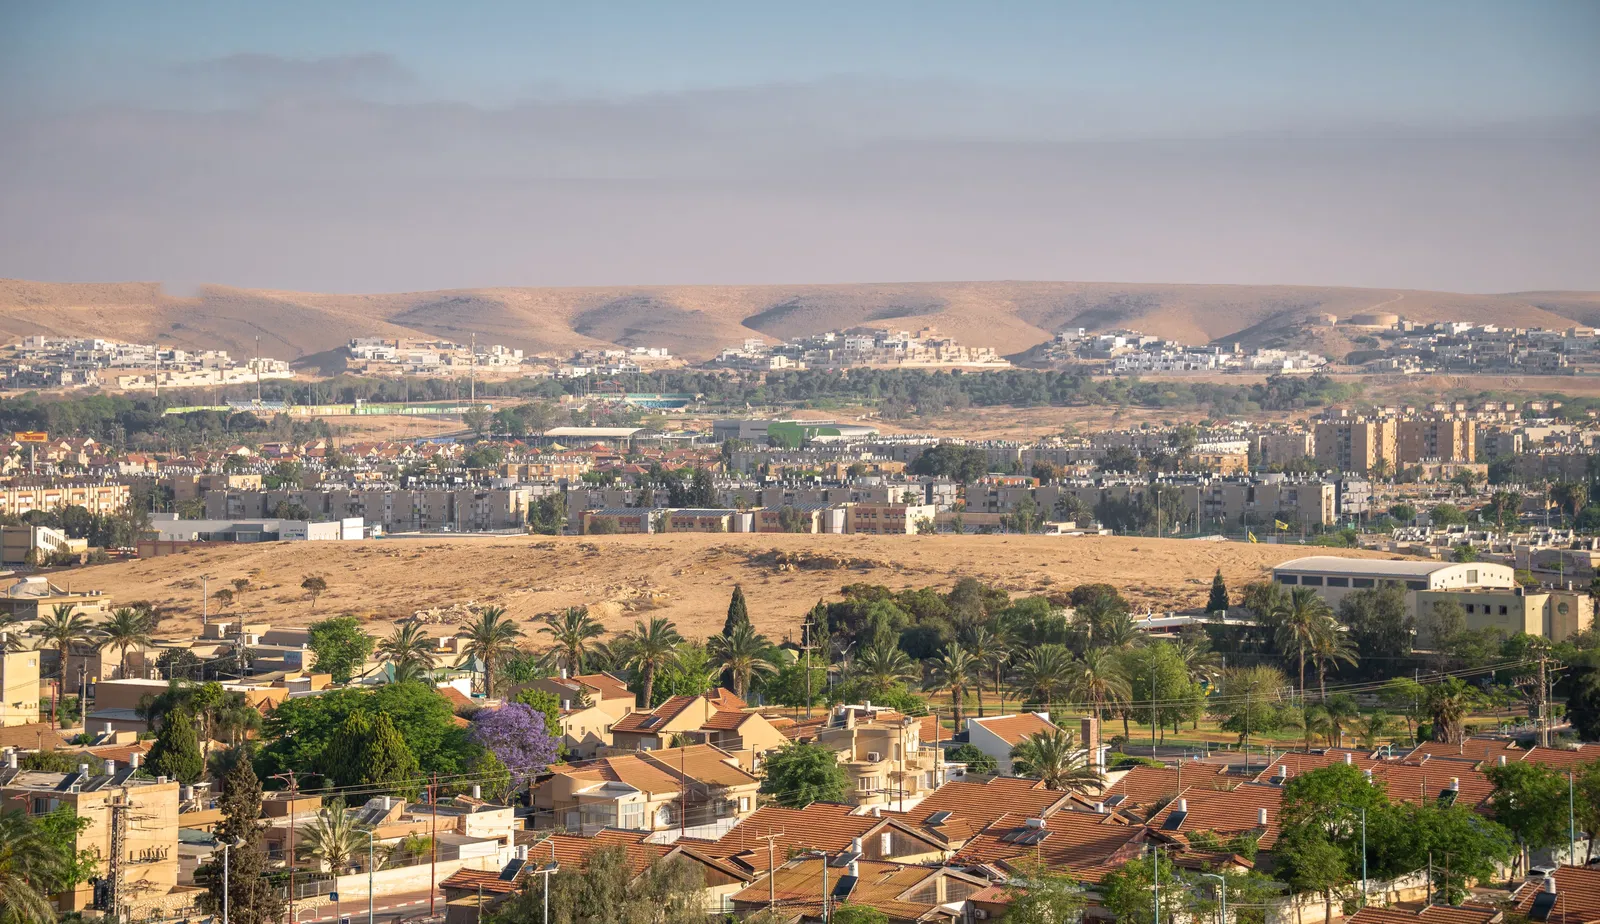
(1436, 439)
(1357, 444)
(888, 519)
(19, 687)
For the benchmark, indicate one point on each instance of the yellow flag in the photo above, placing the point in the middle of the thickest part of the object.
(1251, 535)
(1280, 524)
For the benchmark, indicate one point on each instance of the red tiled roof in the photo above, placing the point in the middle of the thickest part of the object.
(1014, 729)
(1298, 762)
(1577, 896)
(821, 825)
(727, 720)
(1428, 914)
(1235, 811)
(1144, 786)
(662, 714)
(724, 698)
(608, 686)
(1086, 844)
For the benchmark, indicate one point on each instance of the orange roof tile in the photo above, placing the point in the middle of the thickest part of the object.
(1234, 811)
(821, 826)
(1577, 896)
(608, 686)
(701, 763)
(1428, 914)
(1015, 729)
(1086, 844)
(979, 805)
(662, 714)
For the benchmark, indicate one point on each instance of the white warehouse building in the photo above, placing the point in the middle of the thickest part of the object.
(1333, 577)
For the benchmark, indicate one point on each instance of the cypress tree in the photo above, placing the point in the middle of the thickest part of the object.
(737, 611)
(1219, 594)
(385, 757)
(176, 753)
(252, 898)
(341, 761)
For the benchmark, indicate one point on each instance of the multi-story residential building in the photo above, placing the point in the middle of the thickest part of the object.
(658, 790)
(884, 755)
(1442, 439)
(889, 519)
(19, 685)
(1357, 444)
(96, 498)
(460, 509)
(139, 814)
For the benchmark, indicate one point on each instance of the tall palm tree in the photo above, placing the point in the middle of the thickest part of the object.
(571, 630)
(1329, 646)
(490, 638)
(125, 628)
(986, 647)
(1342, 712)
(27, 862)
(882, 665)
(1098, 678)
(409, 672)
(63, 629)
(333, 838)
(1120, 633)
(955, 670)
(1051, 758)
(1202, 664)
(648, 648)
(1313, 722)
(1448, 704)
(743, 653)
(1045, 672)
(409, 644)
(1298, 619)
(1376, 725)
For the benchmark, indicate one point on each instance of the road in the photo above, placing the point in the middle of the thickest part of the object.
(386, 908)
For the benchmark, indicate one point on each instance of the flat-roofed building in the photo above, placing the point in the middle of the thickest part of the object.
(1554, 614)
(1333, 578)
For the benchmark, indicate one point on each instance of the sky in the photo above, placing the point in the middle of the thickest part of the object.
(385, 146)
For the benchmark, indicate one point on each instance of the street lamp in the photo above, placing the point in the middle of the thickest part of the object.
(545, 871)
(1222, 890)
(370, 833)
(226, 846)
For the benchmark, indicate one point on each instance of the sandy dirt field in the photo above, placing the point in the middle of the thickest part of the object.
(685, 577)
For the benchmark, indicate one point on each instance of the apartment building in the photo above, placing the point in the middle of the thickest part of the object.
(1441, 439)
(143, 812)
(1284, 448)
(393, 510)
(96, 498)
(883, 754)
(1357, 444)
(888, 519)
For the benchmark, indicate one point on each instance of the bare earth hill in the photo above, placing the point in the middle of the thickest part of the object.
(697, 321)
(683, 576)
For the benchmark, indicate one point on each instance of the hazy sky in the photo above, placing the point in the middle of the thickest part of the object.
(391, 145)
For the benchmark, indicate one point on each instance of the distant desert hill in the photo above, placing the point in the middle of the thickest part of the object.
(697, 321)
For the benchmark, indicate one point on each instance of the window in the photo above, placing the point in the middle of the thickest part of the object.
(633, 815)
(1416, 585)
(1468, 608)
(599, 815)
(1338, 582)
(1472, 575)
(1561, 608)
(1502, 609)
(1361, 582)
(886, 844)
(744, 803)
(1311, 580)
(1287, 579)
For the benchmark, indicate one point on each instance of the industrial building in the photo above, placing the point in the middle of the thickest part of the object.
(1334, 578)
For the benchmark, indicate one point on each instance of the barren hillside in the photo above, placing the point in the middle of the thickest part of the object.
(685, 577)
(696, 321)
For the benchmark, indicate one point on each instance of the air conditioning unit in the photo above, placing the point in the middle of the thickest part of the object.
(874, 756)
(980, 914)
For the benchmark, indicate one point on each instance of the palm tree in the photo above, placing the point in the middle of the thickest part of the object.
(63, 629)
(1298, 619)
(490, 638)
(27, 862)
(408, 644)
(1448, 703)
(985, 646)
(742, 653)
(1374, 726)
(1329, 646)
(648, 648)
(1045, 672)
(882, 665)
(1051, 758)
(1313, 722)
(333, 839)
(1098, 678)
(1120, 633)
(1202, 664)
(125, 628)
(1342, 712)
(571, 631)
(955, 670)
(409, 672)
(236, 720)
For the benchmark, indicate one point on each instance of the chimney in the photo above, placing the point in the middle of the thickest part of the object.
(1183, 805)
(477, 791)
(1261, 817)
(1502, 760)
(1455, 784)
(522, 851)
(1349, 758)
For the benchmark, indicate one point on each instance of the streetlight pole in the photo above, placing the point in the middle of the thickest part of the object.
(370, 835)
(1155, 873)
(225, 846)
(1222, 890)
(1363, 857)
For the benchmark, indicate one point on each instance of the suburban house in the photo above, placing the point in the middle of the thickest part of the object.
(828, 826)
(884, 757)
(1570, 895)
(904, 893)
(648, 791)
(718, 718)
(604, 691)
(997, 735)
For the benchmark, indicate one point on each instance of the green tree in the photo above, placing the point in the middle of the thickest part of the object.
(301, 729)
(800, 774)
(1158, 675)
(1530, 800)
(858, 914)
(1038, 896)
(957, 671)
(1129, 891)
(315, 585)
(369, 751)
(340, 646)
(1218, 601)
(1401, 836)
(63, 629)
(252, 896)
(648, 648)
(1319, 827)
(738, 611)
(1053, 759)
(176, 752)
(1045, 674)
(332, 839)
(1447, 515)
(39, 858)
(604, 888)
(977, 761)
(1448, 704)
(544, 701)
(409, 643)
(882, 665)
(125, 628)
(571, 632)
(489, 638)
(742, 653)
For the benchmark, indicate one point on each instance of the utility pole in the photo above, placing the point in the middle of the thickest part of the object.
(205, 588)
(472, 393)
(294, 803)
(772, 871)
(806, 646)
(118, 807)
(433, 845)
(258, 369)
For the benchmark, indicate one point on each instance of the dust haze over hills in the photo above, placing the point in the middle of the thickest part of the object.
(697, 321)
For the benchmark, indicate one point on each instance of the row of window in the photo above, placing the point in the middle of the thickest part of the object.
(1316, 580)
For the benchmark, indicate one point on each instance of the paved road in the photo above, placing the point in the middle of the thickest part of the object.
(386, 907)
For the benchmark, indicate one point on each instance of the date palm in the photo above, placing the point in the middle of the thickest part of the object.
(27, 861)
(955, 670)
(64, 629)
(1329, 646)
(1374, 726)
(1045, 672)
(1053, 759)
(882, 665)
(333, 838)
(1342, 713)
(742, 653)
(1098, 678)
(1299, 618)
(125, 628)
(649, 647)
(491, 637)
(1120, 633)
(1448, 704)
(990, 650)
(571, 631)
(409, 644)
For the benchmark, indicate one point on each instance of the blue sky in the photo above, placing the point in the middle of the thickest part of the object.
(949, 133)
